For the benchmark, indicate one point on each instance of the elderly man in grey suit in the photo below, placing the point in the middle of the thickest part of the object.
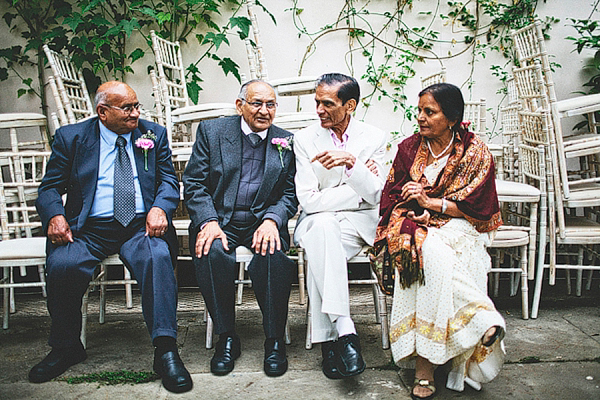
(239, 191)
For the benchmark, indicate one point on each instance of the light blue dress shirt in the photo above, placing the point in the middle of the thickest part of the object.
(103, 199)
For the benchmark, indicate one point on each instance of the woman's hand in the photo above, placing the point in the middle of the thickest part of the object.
(414, 191)
(422, 219)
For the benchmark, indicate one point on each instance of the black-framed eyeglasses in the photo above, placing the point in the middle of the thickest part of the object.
(128, 109)
(257, 105)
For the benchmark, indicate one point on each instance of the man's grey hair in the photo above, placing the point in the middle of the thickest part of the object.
(100, 97)
(244, 89)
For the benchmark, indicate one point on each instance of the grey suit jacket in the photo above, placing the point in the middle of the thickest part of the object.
(212, 176)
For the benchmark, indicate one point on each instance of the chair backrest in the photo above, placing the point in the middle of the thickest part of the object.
(254, 51)
(438, 77)
(16, 123)
(511, 130)
(68, 87)
(159, 100)
(530, 47)
(20, 177)
(475, 113)
(171, 74)
(531, 89)
(511, 91)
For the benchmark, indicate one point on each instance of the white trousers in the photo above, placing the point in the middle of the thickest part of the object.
(329, 240)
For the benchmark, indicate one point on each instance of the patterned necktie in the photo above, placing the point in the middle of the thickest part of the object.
(124, 191)
(254, 138)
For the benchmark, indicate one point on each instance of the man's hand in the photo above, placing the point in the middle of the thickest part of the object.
(59, 231)
(266, 236)
(156, 222)
(372, 165)
(335, 158)
(207, 235)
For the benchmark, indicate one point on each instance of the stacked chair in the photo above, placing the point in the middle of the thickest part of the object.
(568, 190)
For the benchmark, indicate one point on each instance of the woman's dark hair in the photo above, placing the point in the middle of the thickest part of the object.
(349, 88)
(450, 99)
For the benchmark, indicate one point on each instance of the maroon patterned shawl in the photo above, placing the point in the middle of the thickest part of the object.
(468, 180)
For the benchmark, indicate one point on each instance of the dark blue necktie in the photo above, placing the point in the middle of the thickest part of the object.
(124, 191)
(254, 138)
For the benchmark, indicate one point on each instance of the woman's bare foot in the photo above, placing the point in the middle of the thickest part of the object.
(492, 335)
(489, 333)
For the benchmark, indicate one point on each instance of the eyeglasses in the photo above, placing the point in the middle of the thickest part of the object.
(257, 105)
(128, 109)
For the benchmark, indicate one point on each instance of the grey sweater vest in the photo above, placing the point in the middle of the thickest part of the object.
(253, 170)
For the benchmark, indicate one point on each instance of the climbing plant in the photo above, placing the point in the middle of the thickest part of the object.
(393, 49)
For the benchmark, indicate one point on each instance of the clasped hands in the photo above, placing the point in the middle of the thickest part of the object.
(266, 237)
(59, 232)
(337, 158)
(414, 191)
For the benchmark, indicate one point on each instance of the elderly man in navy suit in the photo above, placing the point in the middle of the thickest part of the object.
(121, 191)
(239, 191)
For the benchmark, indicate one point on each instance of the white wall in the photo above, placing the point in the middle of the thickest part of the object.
(284, 52)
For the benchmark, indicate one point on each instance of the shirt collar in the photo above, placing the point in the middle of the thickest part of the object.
(247, 130)
(109, 137)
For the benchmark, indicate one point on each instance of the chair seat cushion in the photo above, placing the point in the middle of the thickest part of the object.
(514, 191)
(22, 249)
(510, 237)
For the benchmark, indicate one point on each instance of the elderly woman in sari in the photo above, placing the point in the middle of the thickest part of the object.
(439, 209)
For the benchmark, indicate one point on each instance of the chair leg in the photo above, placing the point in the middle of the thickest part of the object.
(240, 285)
(42, 274)
(128, 294)
(537, 293)
(287, 334)
(524, 288)
(6, 295)
(301, 277)
(209, 331)
(103, 278)
(308, 344)
(588, 285)
(12, 292)
(376, 303)
(385, 329)
(579, 272)
(84, 317)
(496, 275)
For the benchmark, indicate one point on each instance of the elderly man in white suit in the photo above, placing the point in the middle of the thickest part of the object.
(339, 180)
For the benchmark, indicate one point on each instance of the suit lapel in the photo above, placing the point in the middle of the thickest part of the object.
(323, 141)
(145, 178)
(355, 139)
(86, 165)
(272, 168)
(231, 155)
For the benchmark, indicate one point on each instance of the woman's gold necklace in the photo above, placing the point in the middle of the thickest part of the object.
(437, 156)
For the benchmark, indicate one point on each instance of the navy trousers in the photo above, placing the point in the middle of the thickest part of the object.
(70, 268)
(271, 277)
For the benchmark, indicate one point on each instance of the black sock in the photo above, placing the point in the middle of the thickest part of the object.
(164, 344)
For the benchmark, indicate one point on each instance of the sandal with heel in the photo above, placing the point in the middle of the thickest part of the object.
(499, 334)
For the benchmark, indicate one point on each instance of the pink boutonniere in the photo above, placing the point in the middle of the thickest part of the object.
(146, 143)
(283, 144)
(465, 125)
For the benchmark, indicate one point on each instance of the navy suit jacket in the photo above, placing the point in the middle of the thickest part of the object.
(212, 176)
(73, 170)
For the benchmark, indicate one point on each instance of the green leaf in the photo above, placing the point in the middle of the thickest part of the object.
(148, 11)
(243, 23)
(73, 21)
(216, 39)
(163, 17)
(3, 74)
(129, 26)
(228, 65)
(193, 90)
(21, 92)
(136, 55)
(258, 3)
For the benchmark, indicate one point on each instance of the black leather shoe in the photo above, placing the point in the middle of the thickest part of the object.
(227, 350)
(275, 359)
(328, 365)
(348, 359)
(55, 363)
(175, 378)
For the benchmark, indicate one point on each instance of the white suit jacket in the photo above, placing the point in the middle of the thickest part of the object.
(322, 190)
